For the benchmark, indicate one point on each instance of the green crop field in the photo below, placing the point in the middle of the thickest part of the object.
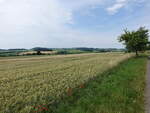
(31, 81)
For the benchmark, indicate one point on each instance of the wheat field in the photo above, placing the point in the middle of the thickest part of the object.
(29, 81)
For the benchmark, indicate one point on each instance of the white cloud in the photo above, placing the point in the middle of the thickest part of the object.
(78, 4)
(29, 23)
(16, 14)
(39, 22)
(118, 5)
(1, 1)
(20, 15)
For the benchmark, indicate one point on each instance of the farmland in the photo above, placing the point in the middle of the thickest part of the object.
(29, 81)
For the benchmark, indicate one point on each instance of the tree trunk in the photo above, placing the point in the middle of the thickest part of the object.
(137, 53)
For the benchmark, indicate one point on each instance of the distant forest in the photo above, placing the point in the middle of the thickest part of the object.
(39, 50)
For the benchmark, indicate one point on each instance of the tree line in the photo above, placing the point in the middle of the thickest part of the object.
(135, 41)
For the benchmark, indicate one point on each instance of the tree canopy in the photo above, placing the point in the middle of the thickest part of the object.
(41, 49)
(135, 41)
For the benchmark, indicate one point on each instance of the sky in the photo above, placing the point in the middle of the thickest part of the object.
(69, 23)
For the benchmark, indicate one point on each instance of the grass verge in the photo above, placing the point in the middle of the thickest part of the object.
(120, 90)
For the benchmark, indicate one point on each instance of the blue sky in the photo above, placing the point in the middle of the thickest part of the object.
(69, 23)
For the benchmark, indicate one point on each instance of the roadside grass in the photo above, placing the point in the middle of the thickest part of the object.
(120, 90)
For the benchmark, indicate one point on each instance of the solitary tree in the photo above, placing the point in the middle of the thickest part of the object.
(135, 41)
(38, 52)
